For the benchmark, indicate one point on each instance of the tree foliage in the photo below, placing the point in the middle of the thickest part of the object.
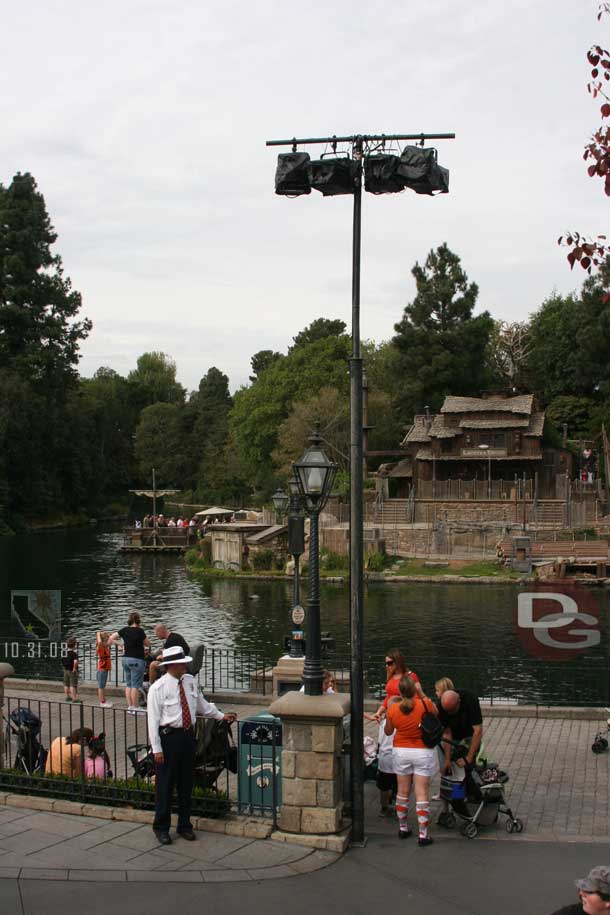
(443, 347)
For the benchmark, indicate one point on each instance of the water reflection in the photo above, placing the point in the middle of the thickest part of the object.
(431, 622)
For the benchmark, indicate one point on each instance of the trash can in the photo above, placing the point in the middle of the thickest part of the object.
(259, 778)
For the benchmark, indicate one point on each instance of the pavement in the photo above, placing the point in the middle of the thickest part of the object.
(558, 787)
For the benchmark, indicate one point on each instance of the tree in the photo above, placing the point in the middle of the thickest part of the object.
(160, 443)
(318, 330)
(39, 336)
(509, 346)
(443, 347)
(154, 381)
(330, 408)
(591, 252)
(261, 361)
(211, 405)
(260, 409)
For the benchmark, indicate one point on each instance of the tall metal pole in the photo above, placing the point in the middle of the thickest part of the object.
(356, 525)
(312, 669)
(154, 508)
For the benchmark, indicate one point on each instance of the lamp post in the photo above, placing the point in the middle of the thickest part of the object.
(314, 474)
(485, 450)
(296, 175)
(280, 501)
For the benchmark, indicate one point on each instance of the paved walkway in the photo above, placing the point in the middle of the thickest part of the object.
(557, 786)
(55, 846)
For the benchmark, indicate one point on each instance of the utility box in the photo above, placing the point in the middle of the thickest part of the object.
(521, 558)
(259, 786)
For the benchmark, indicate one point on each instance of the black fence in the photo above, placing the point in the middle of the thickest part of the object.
(110, 761)
(517, 680)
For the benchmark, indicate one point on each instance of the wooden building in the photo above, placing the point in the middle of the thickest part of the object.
(485, 439)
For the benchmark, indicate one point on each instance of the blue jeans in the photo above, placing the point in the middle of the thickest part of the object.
(134, 670)
(102, 678)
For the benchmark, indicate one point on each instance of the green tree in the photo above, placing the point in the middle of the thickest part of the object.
(154, 381)
(160, 444)
(260, 409)
(443, 347)
(209, 408)
(331, 408)
(39, 336)
(318, 330)
(261, 361)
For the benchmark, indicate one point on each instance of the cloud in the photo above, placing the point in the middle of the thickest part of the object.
(145, 127)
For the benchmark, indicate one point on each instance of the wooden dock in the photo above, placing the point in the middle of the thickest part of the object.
(158, 540)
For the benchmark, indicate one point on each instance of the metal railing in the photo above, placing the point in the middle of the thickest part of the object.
(38, 760)
(222, 668)
(519, 679)
(501, 681)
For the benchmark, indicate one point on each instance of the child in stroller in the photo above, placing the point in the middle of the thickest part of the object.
(25, 726)
(476, 795)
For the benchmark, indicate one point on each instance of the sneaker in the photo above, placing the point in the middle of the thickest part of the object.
(105, 704)
(68, 698)
(404, 833)
(131, 710)
(139, 711)
(77, 700)
(425, 841)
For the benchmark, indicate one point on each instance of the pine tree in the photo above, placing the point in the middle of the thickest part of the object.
(442, 346)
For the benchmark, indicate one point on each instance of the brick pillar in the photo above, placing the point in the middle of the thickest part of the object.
(312, 785)
(6, 670)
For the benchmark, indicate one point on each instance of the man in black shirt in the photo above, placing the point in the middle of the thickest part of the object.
(460, 714)
(170, 640)
(594, 892)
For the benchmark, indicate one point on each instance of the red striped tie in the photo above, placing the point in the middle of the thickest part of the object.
(187, 721)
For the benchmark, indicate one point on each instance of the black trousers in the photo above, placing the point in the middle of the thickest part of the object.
(176, 769)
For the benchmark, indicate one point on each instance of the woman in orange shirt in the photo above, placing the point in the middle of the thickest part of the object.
(396, 668)
(412, 760)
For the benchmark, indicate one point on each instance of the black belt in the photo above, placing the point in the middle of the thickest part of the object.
(170, 730)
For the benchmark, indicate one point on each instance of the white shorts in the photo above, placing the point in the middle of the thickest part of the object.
(414, 761)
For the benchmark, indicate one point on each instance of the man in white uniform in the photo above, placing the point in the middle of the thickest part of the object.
(173, 703)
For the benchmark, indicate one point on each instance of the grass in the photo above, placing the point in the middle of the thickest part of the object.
(476, 569)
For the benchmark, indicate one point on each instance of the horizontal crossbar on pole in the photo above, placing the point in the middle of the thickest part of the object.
(366, 138)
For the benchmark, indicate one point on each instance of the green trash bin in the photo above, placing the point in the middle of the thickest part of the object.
(259, 779)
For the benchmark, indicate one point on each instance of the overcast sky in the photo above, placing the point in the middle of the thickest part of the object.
(144, 123)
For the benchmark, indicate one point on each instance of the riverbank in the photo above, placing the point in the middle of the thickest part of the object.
(477, 572)
(61, 522)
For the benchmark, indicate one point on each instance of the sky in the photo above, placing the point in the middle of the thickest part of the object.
(144, 124)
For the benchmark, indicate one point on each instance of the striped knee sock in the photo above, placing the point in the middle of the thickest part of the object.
(423, 816)
(402, 809)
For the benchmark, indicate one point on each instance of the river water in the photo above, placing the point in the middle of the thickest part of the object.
(440, 627)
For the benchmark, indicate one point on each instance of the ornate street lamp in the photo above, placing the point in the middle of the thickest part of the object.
(315, 475)
(280, 501)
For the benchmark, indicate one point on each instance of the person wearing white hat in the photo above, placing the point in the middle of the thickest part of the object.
(174, 701)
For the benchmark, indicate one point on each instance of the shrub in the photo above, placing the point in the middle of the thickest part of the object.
(330, 560)
(377, 562)
(262, 561)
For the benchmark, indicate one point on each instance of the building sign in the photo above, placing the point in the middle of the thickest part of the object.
(557, 622)
(484, 453)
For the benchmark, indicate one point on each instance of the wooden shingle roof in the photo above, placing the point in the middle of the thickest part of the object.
(523, 403)
(418, 431)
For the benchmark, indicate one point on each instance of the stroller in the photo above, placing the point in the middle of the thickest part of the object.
(25, 726)
(476, 797)
(214, 752)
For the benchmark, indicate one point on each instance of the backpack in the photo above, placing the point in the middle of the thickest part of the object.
(431, 728)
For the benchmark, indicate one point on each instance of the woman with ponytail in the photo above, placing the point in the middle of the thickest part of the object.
(412, 760)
